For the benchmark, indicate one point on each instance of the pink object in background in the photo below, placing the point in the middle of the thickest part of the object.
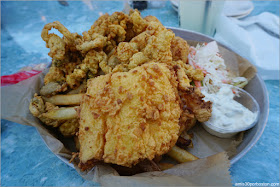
(17, 77)
(24, 73)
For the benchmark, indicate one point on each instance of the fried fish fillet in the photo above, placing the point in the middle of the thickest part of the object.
(130, 116)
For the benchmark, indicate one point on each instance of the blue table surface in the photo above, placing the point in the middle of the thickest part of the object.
(26, 161)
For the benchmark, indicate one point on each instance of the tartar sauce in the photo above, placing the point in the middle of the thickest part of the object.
(228, 114)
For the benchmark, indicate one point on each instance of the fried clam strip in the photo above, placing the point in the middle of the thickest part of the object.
(57, 25)
(94, 41)
(54, 42)
(151, 45)
(57, 47)
(71, 75)
(55, 74)
(53, 88)
(67, 54)
(89, 66)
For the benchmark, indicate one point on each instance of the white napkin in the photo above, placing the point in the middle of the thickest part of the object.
(238, 9)
(255, 38)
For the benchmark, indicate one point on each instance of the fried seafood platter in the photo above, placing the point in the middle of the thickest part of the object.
(124, 91)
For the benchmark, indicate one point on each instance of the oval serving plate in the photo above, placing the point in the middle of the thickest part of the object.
(259, 92)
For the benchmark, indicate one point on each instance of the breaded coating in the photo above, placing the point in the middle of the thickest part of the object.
(92, 60)
(130, 116)
(113, 27)
(69, 128)
(154, 43)
(158, 46)
(193, 74)
(57, 47)
(54, 75)
(139, 24)
(137, 60)
(179, 49)
(151, 18)
(74, 79)
(125, 51)
(52, 88)
(94, 41)
(193, 99)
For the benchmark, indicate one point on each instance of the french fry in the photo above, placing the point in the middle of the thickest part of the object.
(63, 113)
(181, 155)
(73, 99)
(165, 166)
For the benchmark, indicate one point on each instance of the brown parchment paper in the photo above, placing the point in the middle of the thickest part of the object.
(210, 170)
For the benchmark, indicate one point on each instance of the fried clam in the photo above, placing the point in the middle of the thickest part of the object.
(92, 42)
(179, 49)
(153, 43)
(93, 60)
(57, 47)
(191, 101)
(69, 128)
(55, 116)
(52, 39)
(52, 88)
(114, 27)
